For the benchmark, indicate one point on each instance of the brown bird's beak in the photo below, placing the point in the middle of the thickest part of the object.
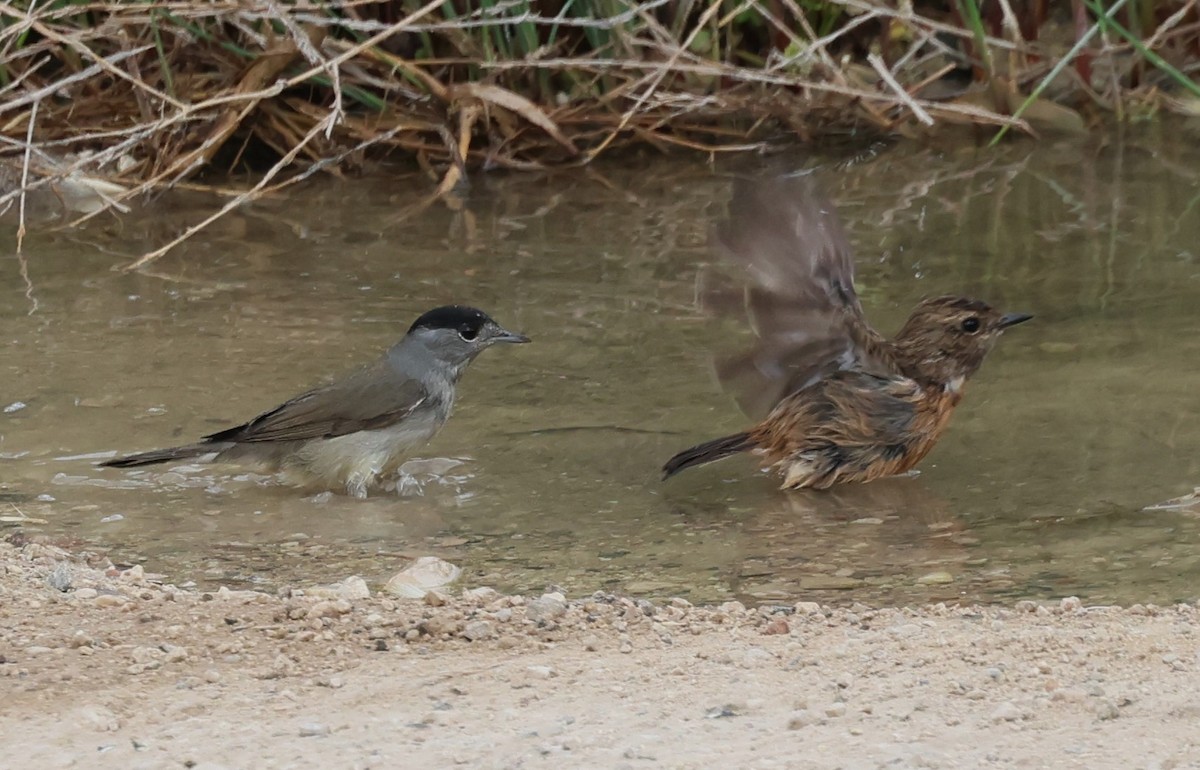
(1012, 319)
(500, 334)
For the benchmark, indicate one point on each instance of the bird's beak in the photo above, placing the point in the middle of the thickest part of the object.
(1012, 319)
(500, 334)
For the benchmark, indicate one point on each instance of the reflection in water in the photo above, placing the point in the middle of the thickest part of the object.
(1036, 490)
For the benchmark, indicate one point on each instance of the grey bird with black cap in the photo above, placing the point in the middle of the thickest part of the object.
(359, 428)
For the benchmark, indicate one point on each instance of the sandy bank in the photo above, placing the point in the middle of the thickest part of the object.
(124, 670)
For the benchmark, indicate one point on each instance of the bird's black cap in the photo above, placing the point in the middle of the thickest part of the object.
(457, 317)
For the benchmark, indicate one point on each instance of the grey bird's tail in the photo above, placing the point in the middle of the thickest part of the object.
(708, 452)
(164, 455)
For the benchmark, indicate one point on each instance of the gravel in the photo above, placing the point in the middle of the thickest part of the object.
(235, 678)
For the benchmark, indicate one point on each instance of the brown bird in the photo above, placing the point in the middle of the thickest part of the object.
(848, 404)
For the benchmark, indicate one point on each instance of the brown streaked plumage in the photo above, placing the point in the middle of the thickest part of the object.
(845, 404)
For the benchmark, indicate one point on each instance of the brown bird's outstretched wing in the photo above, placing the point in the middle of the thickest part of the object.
(371, 398)
(794, 279)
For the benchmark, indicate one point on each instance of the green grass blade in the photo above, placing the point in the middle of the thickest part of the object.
(970, 13)
(1106, 18)
(1062, 64)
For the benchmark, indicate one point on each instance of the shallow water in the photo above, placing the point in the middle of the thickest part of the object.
(1076, 422)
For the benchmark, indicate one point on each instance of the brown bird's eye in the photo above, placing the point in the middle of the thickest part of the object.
(468, 332)
(970, 325)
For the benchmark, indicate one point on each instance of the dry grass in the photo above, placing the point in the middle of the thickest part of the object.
(127, 98)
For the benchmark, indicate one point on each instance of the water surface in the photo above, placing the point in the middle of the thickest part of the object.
(1076, 422)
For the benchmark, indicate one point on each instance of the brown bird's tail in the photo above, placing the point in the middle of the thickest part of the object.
(164, 455)
(708, 452)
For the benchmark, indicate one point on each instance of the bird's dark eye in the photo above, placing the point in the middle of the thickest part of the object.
(468, 332)
(970, 325)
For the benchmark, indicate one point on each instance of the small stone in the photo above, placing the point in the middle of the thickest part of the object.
(60, 577)
(212, 676)
(422, 576)
(110, 600)
(441, 623)
(352, 589)
(1070, 604)
(99, 718)
(332, 682)
(313, 730)
(801, 719)
(145, 654)
(756, 656)
(808, 608)
(86, 593)
(436, 598)
(936, 578)
(776, 627)
(1106, 710)
(174, 653)
(328, 609)
(591, 643)
(545, 608)
(82, 639)
(541, 672)
(723, 711)
(481, 595)
(477, 630)
(1006, 712)
(835, 710)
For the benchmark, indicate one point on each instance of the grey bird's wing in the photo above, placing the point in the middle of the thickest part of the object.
(793, 277)
(372, 398)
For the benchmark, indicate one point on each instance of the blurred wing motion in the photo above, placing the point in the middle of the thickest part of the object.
(794, 279)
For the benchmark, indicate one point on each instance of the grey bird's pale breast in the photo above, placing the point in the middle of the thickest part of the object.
(357, 459)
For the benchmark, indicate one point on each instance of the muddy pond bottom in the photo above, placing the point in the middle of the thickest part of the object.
(1052, 480)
